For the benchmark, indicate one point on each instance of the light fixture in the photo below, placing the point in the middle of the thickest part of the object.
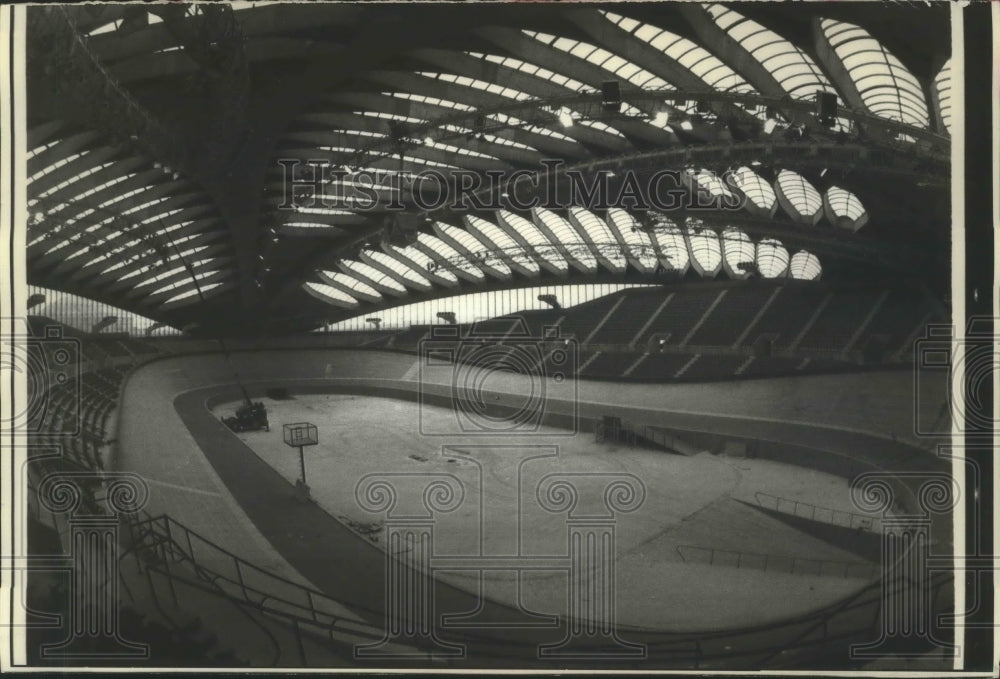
(565, 117)
(769, 125)
(661, 118)
(823, 173)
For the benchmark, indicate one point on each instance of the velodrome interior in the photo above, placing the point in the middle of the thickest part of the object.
(475, 376)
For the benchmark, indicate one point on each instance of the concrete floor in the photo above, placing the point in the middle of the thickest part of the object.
(688, 501)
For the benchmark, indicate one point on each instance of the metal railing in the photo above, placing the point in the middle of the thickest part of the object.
(777, 563)
(163, 544)
(807, 510)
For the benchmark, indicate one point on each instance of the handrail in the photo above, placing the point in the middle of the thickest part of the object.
(819, 513)
(309, 612)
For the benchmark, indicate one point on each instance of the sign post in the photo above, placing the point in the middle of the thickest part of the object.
(299, 435)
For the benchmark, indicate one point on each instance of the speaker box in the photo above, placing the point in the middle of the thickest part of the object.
(826, 108)
(611, 96)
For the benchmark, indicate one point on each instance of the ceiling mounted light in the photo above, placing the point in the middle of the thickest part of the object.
(565, 117)
(661, 118)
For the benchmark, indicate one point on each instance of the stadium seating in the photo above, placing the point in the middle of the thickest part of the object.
(730, 318)
(839, 320)
(628, 317)
(787, 315)
(680, 315)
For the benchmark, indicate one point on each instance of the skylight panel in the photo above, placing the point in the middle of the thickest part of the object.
(330, 295)
(473, 247)
(465, 81)
(704, 248)
(798, 197)
(602, 58)
(448, 257)
(888, 89)
(673, 247)
(638, 243)
(422, 261)
(193, 293)
(57, 164)
(772, 258)
(566, 238)
(353, 284)
(496, 238)
(601, 236)
(363, 271)
(794, 70)
(535, 70)
(942, 85)
(398, 268)
(696, 59)
(844, 209)
(805, 266)
(738, 251)
(433, 101)
(533, 236)
(756, 189)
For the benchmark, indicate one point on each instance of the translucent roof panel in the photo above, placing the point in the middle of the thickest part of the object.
(942, 86)
(405, 272)
(363, 271)
(564, 236)
(498, 239)
(485, 86)
(533, 236)
(351, 283)
(421, 260)
(670, 241)
(601, 236)
(772, 258)
(805, 266)
(639, 244)
(602, 58)
(696, 59)
(706, 252)
(537, 71)
(473, 247)
(843, 203)
(193, 294)
(448, 258)
(760, 198)
(798, 197)
(794, 70)
(738, 251)
(710, 184)
(330, 294)
(888, 89)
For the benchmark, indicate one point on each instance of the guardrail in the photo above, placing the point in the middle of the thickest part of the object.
(807, 510)
(161, 541)
(776, 563)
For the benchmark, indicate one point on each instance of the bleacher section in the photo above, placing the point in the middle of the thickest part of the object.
(787, 315)
(731, 316)
(628, 317)
(680, 315)
(717, 332)
(839, 319)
